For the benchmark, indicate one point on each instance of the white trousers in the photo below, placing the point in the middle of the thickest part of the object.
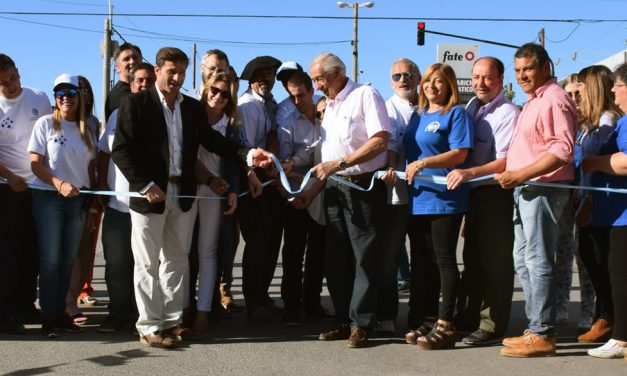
(209, 221)
(160, 244)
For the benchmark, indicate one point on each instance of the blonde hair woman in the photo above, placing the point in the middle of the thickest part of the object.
(62, 152)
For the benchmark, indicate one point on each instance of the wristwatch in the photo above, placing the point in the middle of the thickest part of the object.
(342, 164)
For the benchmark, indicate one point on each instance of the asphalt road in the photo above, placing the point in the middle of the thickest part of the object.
(241, 347)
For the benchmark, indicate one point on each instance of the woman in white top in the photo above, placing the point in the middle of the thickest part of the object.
(61, 151)
(219, 98)
(80, 289)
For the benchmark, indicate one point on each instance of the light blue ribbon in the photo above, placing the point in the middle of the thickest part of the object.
(433, 179)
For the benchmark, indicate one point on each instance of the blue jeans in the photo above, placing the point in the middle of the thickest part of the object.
(119, 263)
(59, 223)
(536, 230)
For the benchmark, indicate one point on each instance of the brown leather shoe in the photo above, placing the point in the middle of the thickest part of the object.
(515, 341)
(358, 338)
(158, 340)
(600, 331)
(531, 346)
(339, 331)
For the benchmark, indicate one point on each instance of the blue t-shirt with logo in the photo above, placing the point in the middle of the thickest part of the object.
(432, 134)
(610, 209)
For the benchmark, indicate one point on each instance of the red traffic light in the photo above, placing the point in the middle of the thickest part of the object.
(421, 34)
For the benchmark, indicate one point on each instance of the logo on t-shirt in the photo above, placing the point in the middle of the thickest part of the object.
(433, 127)
(60, 139)
(6, 123)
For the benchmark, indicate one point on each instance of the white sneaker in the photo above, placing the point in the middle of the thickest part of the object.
(610, 350)
(386, 326)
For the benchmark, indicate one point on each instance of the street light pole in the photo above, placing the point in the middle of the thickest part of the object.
(355, 7)
(355, 41)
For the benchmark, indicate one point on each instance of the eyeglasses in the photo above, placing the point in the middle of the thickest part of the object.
(225, 94)
(84, 91)
(407, 75)
(69, 93)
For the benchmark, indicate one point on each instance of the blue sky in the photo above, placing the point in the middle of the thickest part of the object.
(43, 51)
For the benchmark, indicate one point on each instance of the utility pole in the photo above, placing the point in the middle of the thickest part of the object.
(194, 66)
(355, 7)
(541, 37)
(106, 61)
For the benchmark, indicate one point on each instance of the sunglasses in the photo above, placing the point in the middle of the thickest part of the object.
(69, 93)
(397, 76)
(574, 94)
(225, 94)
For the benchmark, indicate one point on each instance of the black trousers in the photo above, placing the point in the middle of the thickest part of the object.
(353, 236)
(487, 282)
(433, 240)
(594, 247)
(18, 253)
(261, 222)
(618, 279)
(300, 289)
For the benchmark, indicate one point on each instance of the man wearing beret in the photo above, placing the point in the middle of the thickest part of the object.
(261, 218)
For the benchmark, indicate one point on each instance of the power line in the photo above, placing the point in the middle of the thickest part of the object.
(195, 15)
(161, 36)
(158, 35)
(51, 25)
(74, 3)
(568, 36)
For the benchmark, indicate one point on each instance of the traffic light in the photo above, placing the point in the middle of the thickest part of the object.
(421, 33)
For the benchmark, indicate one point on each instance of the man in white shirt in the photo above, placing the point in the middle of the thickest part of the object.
(354, 135)
(20, 107)
(116, 226)
(404, 79)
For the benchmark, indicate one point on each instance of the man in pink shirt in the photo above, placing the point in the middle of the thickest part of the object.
(541, 150)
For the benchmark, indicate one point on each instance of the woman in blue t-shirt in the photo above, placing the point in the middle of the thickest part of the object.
(436, 142)
(598, 116)
(609, 213)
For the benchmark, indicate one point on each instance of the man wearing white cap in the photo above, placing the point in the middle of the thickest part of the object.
(286, 110)
(20, 107)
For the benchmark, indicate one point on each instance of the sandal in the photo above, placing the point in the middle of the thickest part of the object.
(87, 300)
(412, 336)
(442, 336)
(79, 318)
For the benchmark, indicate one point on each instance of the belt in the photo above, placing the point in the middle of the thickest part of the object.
(175, 179)
(360, 178)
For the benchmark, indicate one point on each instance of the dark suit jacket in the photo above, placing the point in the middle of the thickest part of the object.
(141, 152)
